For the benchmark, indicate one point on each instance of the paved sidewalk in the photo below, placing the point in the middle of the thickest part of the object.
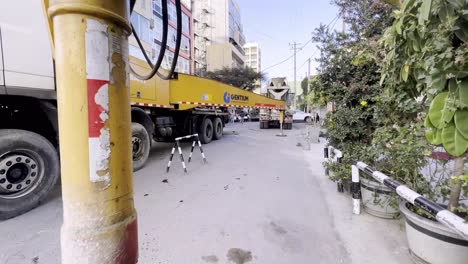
(367, 239)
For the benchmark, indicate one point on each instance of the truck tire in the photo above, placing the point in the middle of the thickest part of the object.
(218, 128)
(140, 146)
(308, 120)
(206, 131)
(29, 169)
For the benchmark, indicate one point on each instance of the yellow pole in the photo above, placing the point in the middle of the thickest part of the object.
(91, 58)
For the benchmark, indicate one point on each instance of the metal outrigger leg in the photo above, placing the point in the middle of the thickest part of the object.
(177, 145)
(281, 125)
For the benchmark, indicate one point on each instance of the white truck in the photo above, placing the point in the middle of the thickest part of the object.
(160, 109)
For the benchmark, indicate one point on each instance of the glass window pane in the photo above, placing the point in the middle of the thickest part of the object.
(145, 33)
(157, 6)
(171, 38)
(136, 52)
(157, 28)
(185, 45)
(185, 24)
(172, 13)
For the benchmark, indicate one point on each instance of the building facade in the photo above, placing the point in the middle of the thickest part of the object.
(253, 59)
(147, 21)
(253, 56)
(218, 35)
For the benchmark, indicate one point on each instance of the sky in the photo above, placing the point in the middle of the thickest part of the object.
(273, 24)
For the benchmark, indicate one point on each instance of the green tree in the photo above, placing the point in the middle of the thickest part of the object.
(304, 86)
(242, 77)
(349, 75)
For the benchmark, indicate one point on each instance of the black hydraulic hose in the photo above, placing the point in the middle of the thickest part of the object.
(178, 41)
(154, 68)
(132, 5)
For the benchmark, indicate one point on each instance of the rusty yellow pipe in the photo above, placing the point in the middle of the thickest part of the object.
(91, 56)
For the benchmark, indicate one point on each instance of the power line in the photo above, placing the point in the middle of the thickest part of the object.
(334, 21)
(309, 41)
(281, 62)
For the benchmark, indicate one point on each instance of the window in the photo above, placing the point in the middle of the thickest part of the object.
(156, 48)
(157, 6)
(157, 28)
(168, 57)
(136, 52)
(185, 24)
(171, 37)
(142, 27)
(172, 13)
(183, 65)
(185, 45)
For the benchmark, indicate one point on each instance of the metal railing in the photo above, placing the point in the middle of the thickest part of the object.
(332, 154)
(442, 215)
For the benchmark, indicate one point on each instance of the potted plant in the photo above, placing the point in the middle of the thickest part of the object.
(427, 55)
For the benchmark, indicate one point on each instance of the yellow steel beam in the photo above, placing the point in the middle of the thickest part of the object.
(189, 91)
(91, 56)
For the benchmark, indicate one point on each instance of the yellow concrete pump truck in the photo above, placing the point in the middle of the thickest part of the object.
(161, 108)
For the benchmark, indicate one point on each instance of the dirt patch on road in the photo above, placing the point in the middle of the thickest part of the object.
(239, 256)
(210, 259)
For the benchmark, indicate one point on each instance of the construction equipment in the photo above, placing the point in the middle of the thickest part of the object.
(160, 109)
(277, 89)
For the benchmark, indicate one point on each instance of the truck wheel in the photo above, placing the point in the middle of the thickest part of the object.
(29, 169)
(205, 131)
(218, 128)
(140, 146)
(308, 120)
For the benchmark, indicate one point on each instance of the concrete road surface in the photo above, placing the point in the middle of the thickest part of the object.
(260, 199)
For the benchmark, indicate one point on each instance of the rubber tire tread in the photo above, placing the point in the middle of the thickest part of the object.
(138, 130)
(22, 139)
(217, 122)
(202, 129)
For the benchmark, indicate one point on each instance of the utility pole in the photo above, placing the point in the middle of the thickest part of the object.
(308, 82)
(295, 48)
(93, 94)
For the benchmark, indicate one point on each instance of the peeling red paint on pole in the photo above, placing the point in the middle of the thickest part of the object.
(96, 121)
(129, 245)
(98, 76)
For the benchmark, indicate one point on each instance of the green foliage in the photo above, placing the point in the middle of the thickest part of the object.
(384, 77)
(349, 76)
(427, 50)
(402, 152)
(305, 89)
(244, 78)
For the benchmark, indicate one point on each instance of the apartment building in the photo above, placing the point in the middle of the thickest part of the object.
(218, 35)
(147, 21)
(253, 56)
(253, 59)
